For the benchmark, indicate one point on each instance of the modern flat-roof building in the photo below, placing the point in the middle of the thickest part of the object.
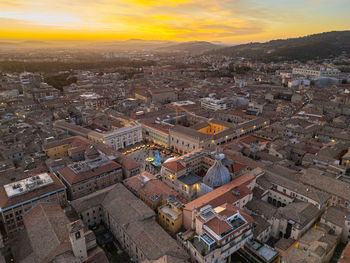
(18, 197)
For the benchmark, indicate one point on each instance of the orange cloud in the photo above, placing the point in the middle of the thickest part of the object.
(212, 20)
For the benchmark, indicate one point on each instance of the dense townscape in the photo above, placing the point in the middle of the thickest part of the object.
(170, 156)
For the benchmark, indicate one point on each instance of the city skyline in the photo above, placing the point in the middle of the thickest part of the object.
(228, 21)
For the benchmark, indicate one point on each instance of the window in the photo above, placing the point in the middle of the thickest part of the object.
(77, 235)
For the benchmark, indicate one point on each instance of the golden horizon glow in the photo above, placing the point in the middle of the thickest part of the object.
(230, 21)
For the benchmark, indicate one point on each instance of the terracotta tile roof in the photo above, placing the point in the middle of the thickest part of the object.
(160, 127)
(97, 255)
(228, 211)
(218, 226)
(73, 178)
(249, 139)
(46, 225)
(346, 257)
(146, 184)
(6, 202)
(223, 194)
(74, 141)
(71, 127)
(236, 167)
(128, 163)
(76, 149)
(174, 165)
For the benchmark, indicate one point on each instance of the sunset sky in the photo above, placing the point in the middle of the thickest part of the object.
(230, 21)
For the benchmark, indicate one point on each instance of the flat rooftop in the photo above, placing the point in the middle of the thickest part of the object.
(28, 184)
(168, 211)
(266, 252)
(190, 179)
(88, 165)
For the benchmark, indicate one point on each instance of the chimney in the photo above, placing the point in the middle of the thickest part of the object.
(235, 191)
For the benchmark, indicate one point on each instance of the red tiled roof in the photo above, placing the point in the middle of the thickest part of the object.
(74, 141)
(73, 178)
(156, 126)
(221, 226)
(174, 165)
(223, 194)
(151, 187)
(346, 257)
(218, 226)
(249, 139)
(236, 167)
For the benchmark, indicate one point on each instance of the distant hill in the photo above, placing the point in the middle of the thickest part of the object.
(305, 48)
(193, 47)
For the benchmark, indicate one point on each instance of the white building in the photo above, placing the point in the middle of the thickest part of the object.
(213, 104)
(317, 71)
(120, 138)
(298, 82)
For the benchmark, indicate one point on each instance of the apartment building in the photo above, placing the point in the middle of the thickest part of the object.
(220, 232)
(19, 197)
(85, 177)
(170, 215)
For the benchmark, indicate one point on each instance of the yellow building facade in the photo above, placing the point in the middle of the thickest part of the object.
(170, 216)
(157, 135)
(58, 151)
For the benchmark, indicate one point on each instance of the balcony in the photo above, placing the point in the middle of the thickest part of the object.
(204, 247)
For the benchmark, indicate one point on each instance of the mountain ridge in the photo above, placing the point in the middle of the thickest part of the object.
(320, 45)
